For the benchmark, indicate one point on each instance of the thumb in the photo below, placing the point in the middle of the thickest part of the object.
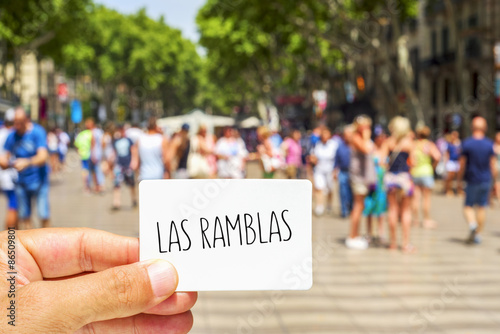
(67, 305)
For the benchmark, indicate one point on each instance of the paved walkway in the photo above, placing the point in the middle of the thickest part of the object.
(447, 287)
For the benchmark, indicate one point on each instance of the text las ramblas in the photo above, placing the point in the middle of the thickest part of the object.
(224, 231)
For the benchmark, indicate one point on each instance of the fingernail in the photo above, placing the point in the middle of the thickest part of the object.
(163, 277)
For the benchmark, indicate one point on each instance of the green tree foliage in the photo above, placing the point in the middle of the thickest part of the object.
(259, 48)
(254, 49)
(152, 60)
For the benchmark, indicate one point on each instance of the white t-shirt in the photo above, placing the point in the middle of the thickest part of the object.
(232, 167)
(134, 134)
(326, 155)
(7, 176)
(63, 142)
(151, 156)
(52, 142)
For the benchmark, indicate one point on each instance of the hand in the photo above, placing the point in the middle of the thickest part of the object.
(89, 281)
(335, 175)
(313, 159)
(21, 164)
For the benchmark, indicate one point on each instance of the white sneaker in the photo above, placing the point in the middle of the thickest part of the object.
(320, 209)
(356, 243)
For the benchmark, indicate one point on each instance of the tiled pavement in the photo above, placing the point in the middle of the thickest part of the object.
(447, 287)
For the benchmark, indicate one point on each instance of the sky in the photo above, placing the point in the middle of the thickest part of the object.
(180, 14)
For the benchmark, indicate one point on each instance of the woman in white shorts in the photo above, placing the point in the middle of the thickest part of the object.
(323, 157)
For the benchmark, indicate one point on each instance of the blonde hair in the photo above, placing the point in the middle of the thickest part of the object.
(348, 128)
(423, 132)
(362, 120)
(263, 132)
(201, 128)
(399, 127)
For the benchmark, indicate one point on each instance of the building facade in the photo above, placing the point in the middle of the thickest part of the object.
(453, 62)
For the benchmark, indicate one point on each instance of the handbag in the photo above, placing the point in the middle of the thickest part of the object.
(197, 164)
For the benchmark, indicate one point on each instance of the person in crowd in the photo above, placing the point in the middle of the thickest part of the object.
(478, 167)
(197, 165)
(8, 176)
(26, 151)
(266, 153)
(323, 157)
(452, 165)
(207, 144)
(341, 167)
(276, 139)
(426, 156)
(150, 157)
(242, 156)
(62, 148)
(124, 150)
(442, 145)
(52, 146)
(83, 144)
(376, 201)
(362, 175)
(398, 149)
(90, 281)
(497, 179)
(108, 151)
(96, 157)
(293, 154)
(229, 156)
(178, 153)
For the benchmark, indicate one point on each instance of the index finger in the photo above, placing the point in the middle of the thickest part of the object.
(60, 252)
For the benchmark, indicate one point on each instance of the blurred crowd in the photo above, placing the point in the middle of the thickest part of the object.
(383, 176)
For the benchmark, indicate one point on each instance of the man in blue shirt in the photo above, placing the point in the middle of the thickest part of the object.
(478, 168)
(341, 173)
(26, 151)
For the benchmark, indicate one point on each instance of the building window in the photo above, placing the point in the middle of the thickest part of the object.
(445, 39)
(389, 33)
(434, 94)
(473, 21)
(472, 47)
(434, 44)
(413, 25)
(447, 90)
(475, 84)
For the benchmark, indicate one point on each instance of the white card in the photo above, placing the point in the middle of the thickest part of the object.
(224, 235)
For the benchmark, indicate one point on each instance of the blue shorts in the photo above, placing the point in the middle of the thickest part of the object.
(477, 194)
(86, 165)
(27, 192)
(62, 156)
(424, 181)
(11, 199)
